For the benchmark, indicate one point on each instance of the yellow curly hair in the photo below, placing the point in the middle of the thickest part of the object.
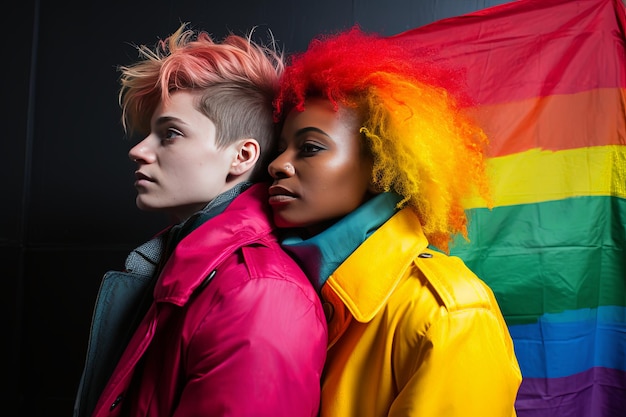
(426, 148)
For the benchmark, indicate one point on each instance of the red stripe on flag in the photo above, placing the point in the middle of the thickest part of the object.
(532, 48)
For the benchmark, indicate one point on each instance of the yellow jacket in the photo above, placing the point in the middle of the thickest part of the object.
(413, 332)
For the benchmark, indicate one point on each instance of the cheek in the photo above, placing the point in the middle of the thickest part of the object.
(354, 176)
(187, 180)
(340, 189)
(199, 168)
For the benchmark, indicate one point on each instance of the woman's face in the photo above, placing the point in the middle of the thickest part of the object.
(180, 168)
(322, 171)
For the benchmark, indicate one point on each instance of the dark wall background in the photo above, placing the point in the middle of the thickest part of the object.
(68, 212)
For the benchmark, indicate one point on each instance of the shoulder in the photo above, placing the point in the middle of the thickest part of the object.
(439, 287)
(259, 285)
(441, 297)
(270, 260)
(263, 264)
(452, 282)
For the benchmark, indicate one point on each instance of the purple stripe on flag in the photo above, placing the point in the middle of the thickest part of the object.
(597, 392)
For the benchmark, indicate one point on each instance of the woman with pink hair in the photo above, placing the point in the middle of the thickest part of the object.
(211, 317)
(376, 159)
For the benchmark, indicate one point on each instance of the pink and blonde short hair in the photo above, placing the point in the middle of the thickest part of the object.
(238, 79)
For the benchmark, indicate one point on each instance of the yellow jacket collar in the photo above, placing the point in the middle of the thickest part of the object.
(366, 279)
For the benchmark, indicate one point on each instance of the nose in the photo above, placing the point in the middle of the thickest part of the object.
(281, 168)
(141, 152)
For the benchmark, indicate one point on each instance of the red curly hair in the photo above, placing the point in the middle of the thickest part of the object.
(425, 147)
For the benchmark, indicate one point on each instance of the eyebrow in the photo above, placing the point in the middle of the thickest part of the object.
(304, 130)
(166, 119)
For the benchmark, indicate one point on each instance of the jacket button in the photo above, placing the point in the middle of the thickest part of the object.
(425, 255)
(329, 310)
(117, 402)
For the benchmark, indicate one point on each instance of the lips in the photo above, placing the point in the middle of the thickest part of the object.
(276, 190)
(280, 195)
(142, 180)
(141, 176)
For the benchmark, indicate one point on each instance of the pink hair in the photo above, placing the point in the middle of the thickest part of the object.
(238, 80)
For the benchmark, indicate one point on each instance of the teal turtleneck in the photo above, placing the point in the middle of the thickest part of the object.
(320, 255)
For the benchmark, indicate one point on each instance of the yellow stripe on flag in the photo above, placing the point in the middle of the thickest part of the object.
(537, 175)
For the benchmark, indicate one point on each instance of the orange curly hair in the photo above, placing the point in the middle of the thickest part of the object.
(425, 147)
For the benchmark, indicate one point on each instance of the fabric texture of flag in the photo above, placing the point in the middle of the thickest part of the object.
(548, 80)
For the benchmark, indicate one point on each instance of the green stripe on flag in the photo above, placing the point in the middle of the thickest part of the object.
(550, 257)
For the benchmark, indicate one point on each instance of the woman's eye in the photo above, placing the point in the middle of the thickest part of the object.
(310, 148)
(171, 134)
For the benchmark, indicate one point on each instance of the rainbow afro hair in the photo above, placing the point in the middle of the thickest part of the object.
(425, 147)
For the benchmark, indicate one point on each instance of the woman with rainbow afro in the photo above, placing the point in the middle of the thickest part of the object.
(376, 159)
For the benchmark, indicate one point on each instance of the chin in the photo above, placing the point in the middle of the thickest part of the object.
(283, 223)
(142, 205)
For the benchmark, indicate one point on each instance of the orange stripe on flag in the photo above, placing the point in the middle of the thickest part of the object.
(590, 118)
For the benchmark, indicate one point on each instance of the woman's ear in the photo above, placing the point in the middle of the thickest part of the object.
(248, 152)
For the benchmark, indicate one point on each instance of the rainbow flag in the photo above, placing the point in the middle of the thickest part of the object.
(549, 82)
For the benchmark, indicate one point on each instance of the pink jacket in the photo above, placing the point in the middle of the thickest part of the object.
(251, 342)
